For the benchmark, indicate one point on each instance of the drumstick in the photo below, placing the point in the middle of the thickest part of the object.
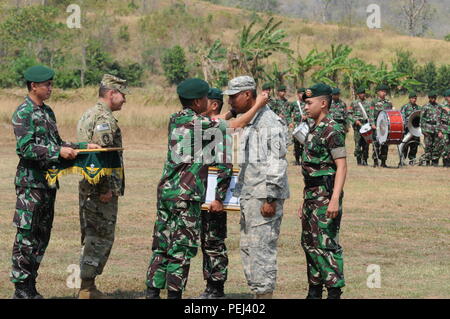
(94, 150)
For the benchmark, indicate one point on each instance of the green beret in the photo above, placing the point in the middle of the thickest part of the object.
(39, 73)
(319, 89)
(412, 94)
(432, 94)
(335, 91)
(382, 87)
(282, 88)
(215, 94)
(360, 90)
(447, 93)
(301, 90)
(267, 86)
(193, 89)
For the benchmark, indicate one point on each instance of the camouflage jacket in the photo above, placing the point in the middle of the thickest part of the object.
(38, 143)
(356, 114)
(185, 171)
(324, 144)
(281, 108)
(98, 125)
(430, 120)
(338, 112)
(262, 157)
(407, 110)
(377, 106)
(445, 118)
(295, 114)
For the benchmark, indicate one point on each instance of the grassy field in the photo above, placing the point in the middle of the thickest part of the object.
(395, 218)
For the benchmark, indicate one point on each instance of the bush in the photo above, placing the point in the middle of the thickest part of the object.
(174, 65)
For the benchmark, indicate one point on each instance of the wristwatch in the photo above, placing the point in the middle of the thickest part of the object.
(270, 200)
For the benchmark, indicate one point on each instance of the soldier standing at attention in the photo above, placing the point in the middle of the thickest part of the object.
(262, 187)
(214, 228)
(410, 151)
(356, 117)
(38, 146)
(446, 128)
(99, 203)
(280, 106)
(324, 169)
(298, 116)
(338, 109)
(182, 188)
(430, 123)
(381, 103)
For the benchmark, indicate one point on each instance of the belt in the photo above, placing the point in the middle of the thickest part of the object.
(327, 181)
(32, 164)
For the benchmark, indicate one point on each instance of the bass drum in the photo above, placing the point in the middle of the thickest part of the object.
(390, 127)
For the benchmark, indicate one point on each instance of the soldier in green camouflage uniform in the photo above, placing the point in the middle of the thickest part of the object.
(324, 169)
(381, 103)
(357, 118)
(214, 229)
(338, 109)
(445, 120)
(410, 151)
(297, 111)
(99, 203)
(38, 146)
(430, 123)
(182, 187)
(280, 106)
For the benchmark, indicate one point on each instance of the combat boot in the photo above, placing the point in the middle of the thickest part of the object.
(435, 163)
(334, 293)
(174, 294)
(375, 163)
(268, 295)
(364, 162)
(358, 161)
(88, 290)
(152, 293)
(214, 290)
(24, 291)
(37, 295)
(383, 163)
(315, 292)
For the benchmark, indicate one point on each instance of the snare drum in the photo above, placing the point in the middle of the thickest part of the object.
(300, 132)
(367, 133)
(390, 127)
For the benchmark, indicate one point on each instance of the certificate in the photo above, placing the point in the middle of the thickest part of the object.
(231, 203)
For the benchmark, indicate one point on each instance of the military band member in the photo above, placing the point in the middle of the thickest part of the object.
(338, 109)
(430, 123)
(357, 118)
(445, 121)
(298, 115)
(410, 150)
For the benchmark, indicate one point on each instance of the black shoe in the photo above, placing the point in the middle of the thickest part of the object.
(436, 163)
(214, 290)
(383, 164)
(364, 162)
(315, 292)
(24, 291)
(334, 293)
(152, 293)
(37, 295)
(375, 163)
(174, 294)
(358, 161)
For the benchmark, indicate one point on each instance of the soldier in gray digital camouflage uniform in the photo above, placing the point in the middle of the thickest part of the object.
(262, 187)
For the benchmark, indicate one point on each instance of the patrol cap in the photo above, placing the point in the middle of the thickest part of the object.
(412, 94)
(447, 93)
(382, 87)
(239, 84)
(267, 86)
(319, 89)
(193, 88)
(215, 94)
(38, 73)
(114, 83)
(432, 94)
(282, 88)
(335, 91)
(360, 90)
(301, 90)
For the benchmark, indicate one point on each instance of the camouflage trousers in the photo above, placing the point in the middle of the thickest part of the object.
(258, 245)
(361, 146)
(320, 239)
(298, 149)
(97, 224)
(176, 238)
(215, 254)
(446, 149)
(433, 147)
(33, 218)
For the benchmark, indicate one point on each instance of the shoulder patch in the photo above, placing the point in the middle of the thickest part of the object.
(103, 127)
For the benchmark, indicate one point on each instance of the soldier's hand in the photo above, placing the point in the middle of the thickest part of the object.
(106, 198)
(374, 127)
(358, 123)
(216, 206)
(93, 146)
(291, 125)
(68, 153)
(300, 212)
(333, 209)
(269, 210)
(262, 99)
